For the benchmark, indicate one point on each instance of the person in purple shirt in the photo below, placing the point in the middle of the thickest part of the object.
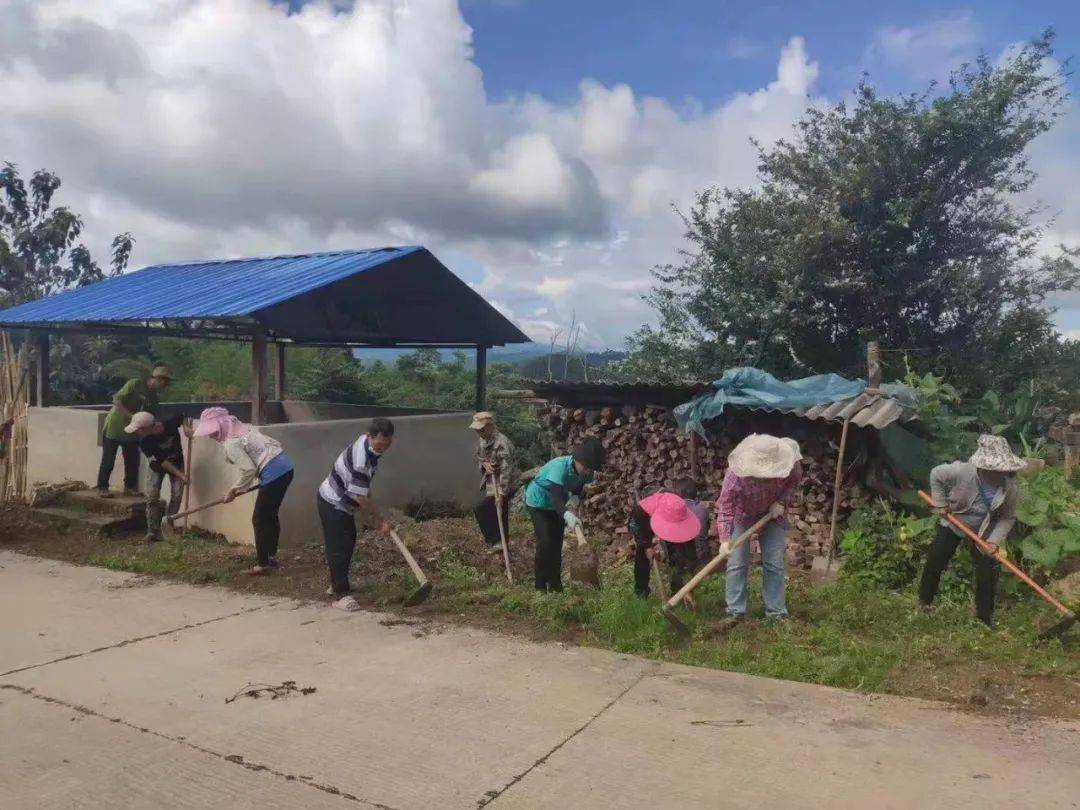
(764, 476)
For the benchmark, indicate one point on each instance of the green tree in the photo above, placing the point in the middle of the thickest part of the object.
(41, 254)
(326, 375)
(40, 251)
(897, 218)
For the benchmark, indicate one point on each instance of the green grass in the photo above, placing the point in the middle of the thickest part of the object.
(190, 560)
(840, 634)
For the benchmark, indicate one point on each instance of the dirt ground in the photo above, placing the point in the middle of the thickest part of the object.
(445, 544)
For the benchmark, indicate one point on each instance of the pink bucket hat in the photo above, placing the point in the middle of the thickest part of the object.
(220, 424)
(672, 521)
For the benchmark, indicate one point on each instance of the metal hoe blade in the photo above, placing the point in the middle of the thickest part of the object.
(419, 595)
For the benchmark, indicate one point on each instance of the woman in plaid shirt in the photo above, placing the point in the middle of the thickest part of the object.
(763, 476)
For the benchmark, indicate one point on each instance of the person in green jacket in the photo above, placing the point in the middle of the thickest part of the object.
(552, 499)
(134, 396)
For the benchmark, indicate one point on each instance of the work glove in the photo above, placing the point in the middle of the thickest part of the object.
(573, 502)
(572, 521)
(725, 547)
(776, 510)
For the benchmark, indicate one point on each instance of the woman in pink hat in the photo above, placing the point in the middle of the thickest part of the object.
(263, 465)
(668, 519)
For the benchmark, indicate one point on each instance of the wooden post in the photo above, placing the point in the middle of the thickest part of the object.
(873, 365)
(838, 486)
(41, 366)
(481, 377)
(258, 377)
(279, 371)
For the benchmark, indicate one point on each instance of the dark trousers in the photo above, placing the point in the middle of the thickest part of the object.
(339, 535)
(265, 517)
(130, 451)
(487, 516)
(986, 572)
(547, 568)
(682, 557)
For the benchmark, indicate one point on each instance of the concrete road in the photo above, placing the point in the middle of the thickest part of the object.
(113, 694)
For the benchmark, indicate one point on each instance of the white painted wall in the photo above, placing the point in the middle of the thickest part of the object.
(432, 458)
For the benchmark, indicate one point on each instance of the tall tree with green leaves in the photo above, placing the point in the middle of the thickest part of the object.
(40, 251)
(41, 254)
(902, 219)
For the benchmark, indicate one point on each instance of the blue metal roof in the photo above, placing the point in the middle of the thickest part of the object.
(416, 300)
(216, 289)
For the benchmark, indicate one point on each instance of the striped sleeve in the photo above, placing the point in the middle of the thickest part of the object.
(350, 477)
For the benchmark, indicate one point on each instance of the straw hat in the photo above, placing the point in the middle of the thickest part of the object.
(161, 373)
(671, 521)
(481, 420)
(760, 455)
(994, 453)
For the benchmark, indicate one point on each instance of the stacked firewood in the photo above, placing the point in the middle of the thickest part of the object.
(645, 450)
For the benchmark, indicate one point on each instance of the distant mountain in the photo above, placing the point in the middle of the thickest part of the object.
(538, 368)
(530, 358)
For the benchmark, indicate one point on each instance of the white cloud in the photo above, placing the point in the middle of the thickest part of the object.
(230, 127)
(924, 52)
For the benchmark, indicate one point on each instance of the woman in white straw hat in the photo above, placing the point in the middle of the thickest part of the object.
(982, 492)
(763, 477)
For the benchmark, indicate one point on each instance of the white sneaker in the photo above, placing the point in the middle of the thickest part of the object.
(495, 549)
(347, 603)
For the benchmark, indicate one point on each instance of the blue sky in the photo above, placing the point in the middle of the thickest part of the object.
(711, 49)
(537, 146)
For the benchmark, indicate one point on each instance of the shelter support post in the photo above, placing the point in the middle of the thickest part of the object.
(279, 371)
(258, 378)
(481, 377)
(873, 365)
(41, 369)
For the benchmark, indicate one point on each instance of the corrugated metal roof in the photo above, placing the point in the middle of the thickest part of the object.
(328, 298)
(866, 410)
(228, 288)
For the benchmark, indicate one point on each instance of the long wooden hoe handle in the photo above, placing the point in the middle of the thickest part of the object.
(983, 546)
(502, 531)
(218, 502)
(714, 563)
(420, 576)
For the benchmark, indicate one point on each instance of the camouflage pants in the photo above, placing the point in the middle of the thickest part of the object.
(154, 512)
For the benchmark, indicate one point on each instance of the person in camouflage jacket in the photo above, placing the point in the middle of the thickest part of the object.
(494, 457)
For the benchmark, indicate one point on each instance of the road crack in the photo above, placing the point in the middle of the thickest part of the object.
(492, 795)
(135, 640)
(234, 759)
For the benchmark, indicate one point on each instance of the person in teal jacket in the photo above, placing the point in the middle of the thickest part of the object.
(552, 497)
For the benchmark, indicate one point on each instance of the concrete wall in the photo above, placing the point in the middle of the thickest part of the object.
(65, 445)
(432, 458)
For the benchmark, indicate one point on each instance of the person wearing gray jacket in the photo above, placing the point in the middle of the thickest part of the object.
(983, 494)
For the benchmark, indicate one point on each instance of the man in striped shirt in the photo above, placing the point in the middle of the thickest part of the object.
(346, 489)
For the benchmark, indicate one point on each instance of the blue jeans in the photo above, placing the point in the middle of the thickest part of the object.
(773, 540)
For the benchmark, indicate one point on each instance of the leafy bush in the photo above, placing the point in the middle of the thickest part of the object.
(1050, 511)
(886, 546)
